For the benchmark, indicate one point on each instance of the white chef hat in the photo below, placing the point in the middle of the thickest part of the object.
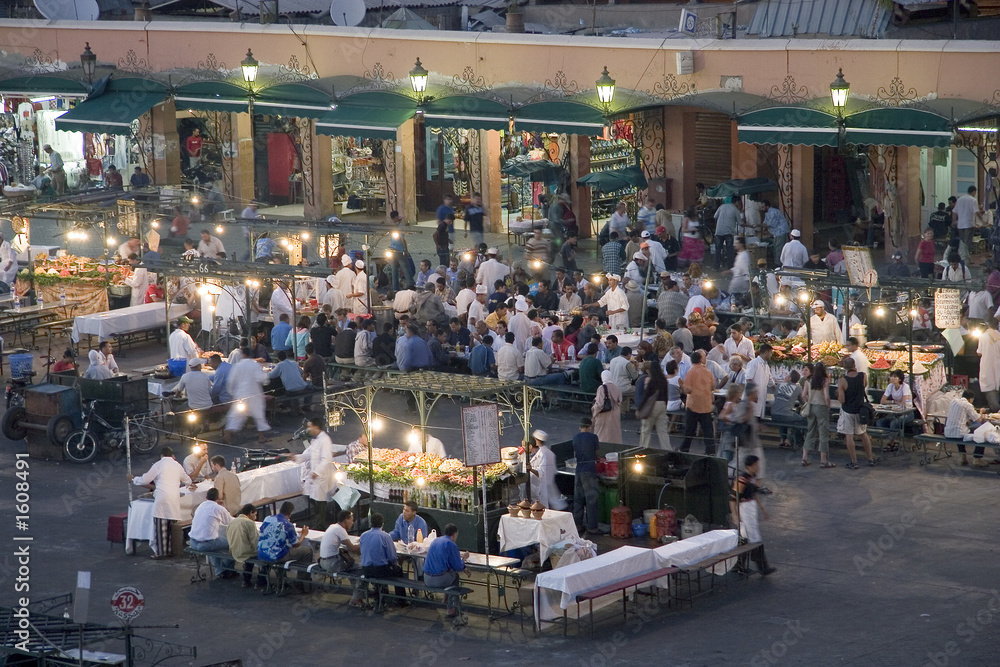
(345, 259)
(539, 434)
(359, 264)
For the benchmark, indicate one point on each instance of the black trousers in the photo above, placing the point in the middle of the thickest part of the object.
(691, 422)
(385, 572)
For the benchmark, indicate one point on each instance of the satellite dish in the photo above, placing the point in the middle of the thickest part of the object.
(68, 10)
(347, 12)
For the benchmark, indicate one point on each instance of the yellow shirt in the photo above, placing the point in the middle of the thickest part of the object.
(242, 534)
(492, 319)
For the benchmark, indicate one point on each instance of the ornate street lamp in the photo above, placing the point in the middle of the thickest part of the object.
(89, 61)
(250, 66)
(418, 80)
(606, 89)
(840, 90)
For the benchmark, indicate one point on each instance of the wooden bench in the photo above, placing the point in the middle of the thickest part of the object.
(623, 586)
(571, 395)
(687, 576)
(385, 590)
(941, 443)
(63, 327)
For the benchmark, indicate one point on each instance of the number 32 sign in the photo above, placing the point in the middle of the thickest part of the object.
(127, 603)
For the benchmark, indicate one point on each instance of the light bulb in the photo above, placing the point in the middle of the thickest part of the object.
(388, 254)
(154, 224)
(376, 424)
(249, 282)
(880, 311)
(305, 236)
(597, 279)
(803, 297)
(421, 481)
(192, 417)
(111, 241)
(202, 290)
(284, 242)
(241, 406)
(256, 283)
(638, 466)
(339, 476)
(395, 236)
(196, 449)
(211, 309)
(467, 257)
(707, 284)
(780, 299)
(194, 200)
(977, 333)
(913, 312)
(413, 438)
(218, 229)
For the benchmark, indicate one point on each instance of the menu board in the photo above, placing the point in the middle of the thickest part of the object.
(481, 433)
(860, 269)
(947, 308)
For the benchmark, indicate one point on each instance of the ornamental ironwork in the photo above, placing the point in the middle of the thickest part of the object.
(789, 92)
(560, 85)
(133, 63)
(896, 93)
(670, 88)
(379, 79)
(212, 68)
(469, 82)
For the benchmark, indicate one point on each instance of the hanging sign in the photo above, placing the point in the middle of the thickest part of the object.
(481, 434)
(947, 308)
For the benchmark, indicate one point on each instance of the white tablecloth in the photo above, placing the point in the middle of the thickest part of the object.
(518, 532)
(557, 589)
(694, 549)
(266, 482)
(126, 320)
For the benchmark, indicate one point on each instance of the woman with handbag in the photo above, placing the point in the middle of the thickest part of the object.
(784, 411)
(606, 410)
(816, 409)
(653, 410)
(853, 402)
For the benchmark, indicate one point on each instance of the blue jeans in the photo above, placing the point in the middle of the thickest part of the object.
(585, 492)
(724, 251)
(542, 380)
(446, 580)
(896, 423)
(792, 419)
(218, 544)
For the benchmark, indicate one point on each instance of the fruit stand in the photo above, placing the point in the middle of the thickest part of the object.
(78, 278)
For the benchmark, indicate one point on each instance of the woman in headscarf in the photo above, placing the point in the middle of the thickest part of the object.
(97, 369)
(607, 423)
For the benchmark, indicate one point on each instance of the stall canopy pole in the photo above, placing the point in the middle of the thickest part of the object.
(369, 397)
(524, 440)
(645, 300)
(166, 305)
(128, 460)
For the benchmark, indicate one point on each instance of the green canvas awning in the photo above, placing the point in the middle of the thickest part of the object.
(43, 85)
(212, 96)
(468, 112)
(560, 116)
(301, 100)
(612, 180)
(898, 126)
(362, 122)
(113, 105)
(797, 125)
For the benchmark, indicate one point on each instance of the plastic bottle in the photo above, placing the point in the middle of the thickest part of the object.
(420, 535)
(40, 300)
(409, 534)
(62, 298)
(17, 303)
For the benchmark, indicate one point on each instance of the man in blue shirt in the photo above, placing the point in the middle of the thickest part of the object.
(474, 218)
(482, 359)
(378, 554)
(414, 353)
(264, 248)
(612, 255)
(287, 370)
(279, 333)
(139, 180)
(443, 211)
(424, 274)
(220, 392)
(777, 224)
(498, 297)
(443, 563)
(586, 488)
(278, 543)
(408, 519)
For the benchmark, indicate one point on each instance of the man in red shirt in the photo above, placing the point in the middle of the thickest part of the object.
(154, 293)
(179, 228)
(193, 144)
(113, 178)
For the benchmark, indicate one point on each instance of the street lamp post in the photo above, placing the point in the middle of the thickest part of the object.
(250, 67)
(418, 81)
(606, 90)
(88, 59)
(840, 90)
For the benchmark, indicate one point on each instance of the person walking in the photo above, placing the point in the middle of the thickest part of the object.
(606, 410)
(654, 415)
(585, 487)
(816, 394)
(851, 394)
(698, 384)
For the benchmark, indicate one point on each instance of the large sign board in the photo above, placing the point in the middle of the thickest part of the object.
(481, 434)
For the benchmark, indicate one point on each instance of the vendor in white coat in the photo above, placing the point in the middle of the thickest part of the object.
(359, 290)
(246, 386)
(167, 476)
(281, 302)
(989, 365)
(543, 473)
(138, 281)
(616, 302)
(8, 262)
(823, 325)
(182, 346)
(317, 481)
(345, 277)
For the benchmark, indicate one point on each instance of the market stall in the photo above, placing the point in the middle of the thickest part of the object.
(446, 489)
(76, 278)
